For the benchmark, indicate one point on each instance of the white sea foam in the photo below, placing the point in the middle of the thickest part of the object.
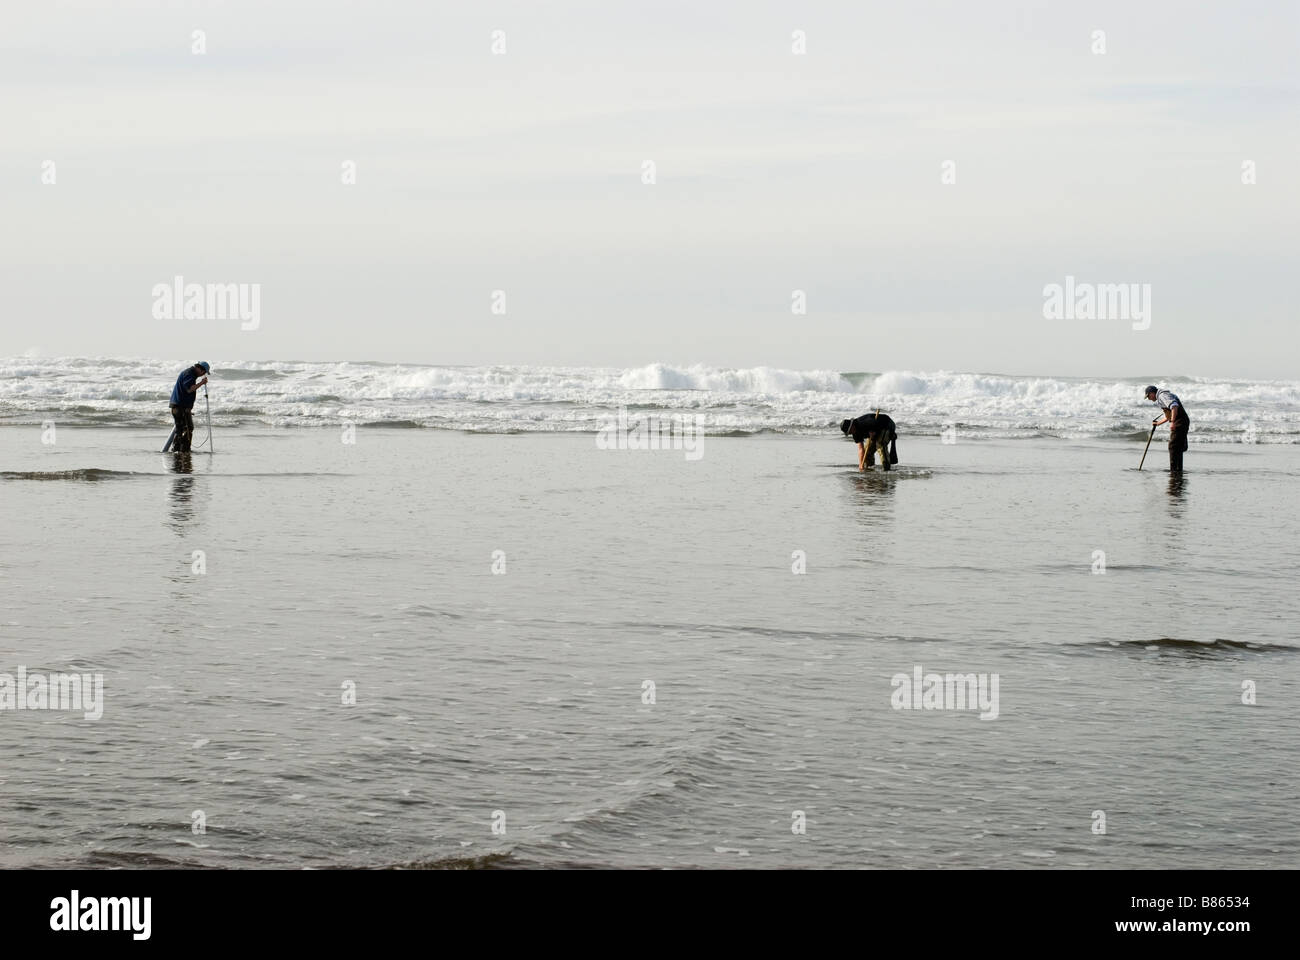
(535, 398)
(756, 380)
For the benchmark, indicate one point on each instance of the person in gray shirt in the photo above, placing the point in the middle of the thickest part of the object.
(1175, 414)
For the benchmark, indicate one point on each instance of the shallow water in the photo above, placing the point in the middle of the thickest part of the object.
(522, 692)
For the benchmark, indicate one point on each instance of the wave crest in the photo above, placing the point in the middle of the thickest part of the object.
(755, 380)
(732, 401)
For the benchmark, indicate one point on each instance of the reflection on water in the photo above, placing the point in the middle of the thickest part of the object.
(182, 492)
(1176, 523)
(183, 498)
(873, 491)
(1177, 488)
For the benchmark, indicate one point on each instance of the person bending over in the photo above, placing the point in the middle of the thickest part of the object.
(182, 403)
(872, 432)
(1175, 414)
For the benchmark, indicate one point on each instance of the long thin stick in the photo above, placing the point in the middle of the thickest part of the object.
(209, 407)
(1149, 439)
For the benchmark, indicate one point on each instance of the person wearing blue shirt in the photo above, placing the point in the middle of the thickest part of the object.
(1175, 414)
(182, 403)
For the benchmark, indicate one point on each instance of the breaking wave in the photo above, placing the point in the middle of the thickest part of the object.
(731, 401)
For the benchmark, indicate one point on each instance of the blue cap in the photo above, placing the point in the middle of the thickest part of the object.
(204, 365)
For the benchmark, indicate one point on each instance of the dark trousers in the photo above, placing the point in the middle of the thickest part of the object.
(1178, 440)
(871, 454)
(184, 417)
(888, 455)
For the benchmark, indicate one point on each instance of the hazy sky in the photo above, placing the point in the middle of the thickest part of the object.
(775, 172)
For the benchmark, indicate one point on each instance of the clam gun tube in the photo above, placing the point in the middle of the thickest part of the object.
(208, 407)
(1148, 447)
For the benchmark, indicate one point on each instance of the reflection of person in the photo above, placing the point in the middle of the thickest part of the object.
(1175, 414)
(874, 430)
(182, 403)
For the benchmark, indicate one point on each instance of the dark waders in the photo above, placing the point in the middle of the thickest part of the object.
(184, 417)
(1178, 439)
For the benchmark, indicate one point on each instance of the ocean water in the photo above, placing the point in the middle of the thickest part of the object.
(512, 399)
(503, 605)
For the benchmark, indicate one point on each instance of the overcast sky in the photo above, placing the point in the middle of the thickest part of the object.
(775, 172)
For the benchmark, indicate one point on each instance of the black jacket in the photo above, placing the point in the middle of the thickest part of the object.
(876, 423)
